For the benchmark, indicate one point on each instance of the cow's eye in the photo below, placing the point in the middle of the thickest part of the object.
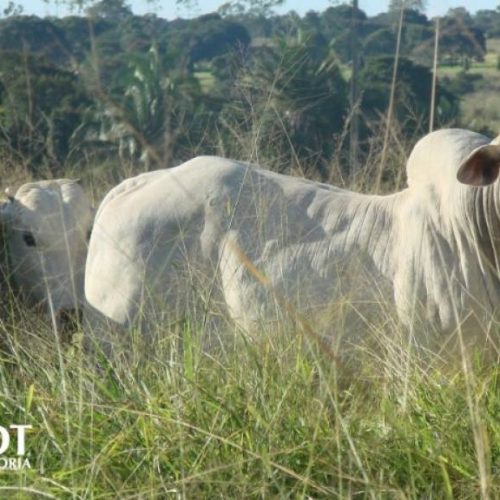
(29, 239)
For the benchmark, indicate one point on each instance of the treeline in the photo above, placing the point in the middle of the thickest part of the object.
(81, 89)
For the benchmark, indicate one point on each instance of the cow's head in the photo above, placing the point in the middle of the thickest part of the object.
(46, 226)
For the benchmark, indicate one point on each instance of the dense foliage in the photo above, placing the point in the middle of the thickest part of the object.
(154, 90)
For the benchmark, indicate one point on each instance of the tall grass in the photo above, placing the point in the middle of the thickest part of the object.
(270, 418)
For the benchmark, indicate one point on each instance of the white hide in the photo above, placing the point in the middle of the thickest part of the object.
(46, 226)
(256, 240)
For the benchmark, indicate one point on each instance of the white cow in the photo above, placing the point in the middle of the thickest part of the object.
(260, 242)
(46, 226)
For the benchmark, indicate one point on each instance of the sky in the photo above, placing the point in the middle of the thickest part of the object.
(169, 10)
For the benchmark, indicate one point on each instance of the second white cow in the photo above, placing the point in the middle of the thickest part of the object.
(257, 241)
(46, 226)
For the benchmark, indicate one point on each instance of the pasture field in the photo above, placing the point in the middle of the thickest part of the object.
(278, 416)
(481, 108)
(272, 419)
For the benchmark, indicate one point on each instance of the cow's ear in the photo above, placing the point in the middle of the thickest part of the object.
(481, 167)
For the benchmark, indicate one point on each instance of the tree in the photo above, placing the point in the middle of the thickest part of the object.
(78, 32)
(214, 36)
(380, 42)
(144, 118)
(338, 23)
(461, 15)
(396, 5)
(112, 10)
(204, 38)
(41, 107)
(337, 20)
(13, 9)
(292, 101)
(460, 41)
(133, 118)
(34, 35)
(138, 33)
(417, 37)
(412, 94)
(488, 21)
(258, 8)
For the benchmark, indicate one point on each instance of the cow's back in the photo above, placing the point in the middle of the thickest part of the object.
(150, 235)
(163, 235)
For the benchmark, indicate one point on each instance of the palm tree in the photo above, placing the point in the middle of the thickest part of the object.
(146, 117)
(298, 98)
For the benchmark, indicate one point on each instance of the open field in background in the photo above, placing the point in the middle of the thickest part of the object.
(487, 68)
(481, 108)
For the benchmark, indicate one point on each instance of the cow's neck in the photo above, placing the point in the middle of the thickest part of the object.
(364, 226)
(445, 257)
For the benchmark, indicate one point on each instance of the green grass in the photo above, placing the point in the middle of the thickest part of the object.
(487, 68)
(276, 418)
(481, 108)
